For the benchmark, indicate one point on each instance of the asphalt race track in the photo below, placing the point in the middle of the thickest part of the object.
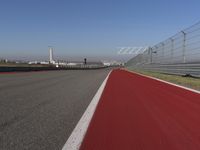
(39, 110)
(139, 113)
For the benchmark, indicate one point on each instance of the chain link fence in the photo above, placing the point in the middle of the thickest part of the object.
(179, 54)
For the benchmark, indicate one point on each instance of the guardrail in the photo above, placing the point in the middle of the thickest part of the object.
(177, 69)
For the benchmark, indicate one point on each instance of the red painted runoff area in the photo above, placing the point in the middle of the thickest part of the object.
(139, 113)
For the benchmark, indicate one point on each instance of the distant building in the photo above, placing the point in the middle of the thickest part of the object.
(32, 62)
(72, 64)
(112, 63)
(44, 62)
(106, 64)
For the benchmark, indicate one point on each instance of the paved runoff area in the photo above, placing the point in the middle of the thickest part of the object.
(140, 113)
(39, 110)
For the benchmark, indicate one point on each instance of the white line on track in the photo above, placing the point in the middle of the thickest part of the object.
(76, 138)
(183, 87)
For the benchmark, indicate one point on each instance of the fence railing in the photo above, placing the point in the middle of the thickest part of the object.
(182, 48)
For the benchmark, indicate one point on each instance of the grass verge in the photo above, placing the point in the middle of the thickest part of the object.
(189, 82)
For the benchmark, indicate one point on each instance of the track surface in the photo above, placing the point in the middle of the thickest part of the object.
(138, 113)
(39, 110)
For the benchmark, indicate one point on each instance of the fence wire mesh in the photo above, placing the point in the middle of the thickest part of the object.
(178, 54)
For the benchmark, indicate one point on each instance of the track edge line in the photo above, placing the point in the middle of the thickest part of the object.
(75, 139)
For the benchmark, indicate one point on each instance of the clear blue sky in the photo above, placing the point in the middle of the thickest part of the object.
(89, 27)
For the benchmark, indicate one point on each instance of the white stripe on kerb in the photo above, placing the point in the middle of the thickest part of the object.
(76, 138)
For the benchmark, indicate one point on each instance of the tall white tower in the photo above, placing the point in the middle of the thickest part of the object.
(51, 55)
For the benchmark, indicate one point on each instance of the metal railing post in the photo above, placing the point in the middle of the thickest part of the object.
(172, 49)
(151, 52)
(184, 45)
(163, 52)
(156, 60)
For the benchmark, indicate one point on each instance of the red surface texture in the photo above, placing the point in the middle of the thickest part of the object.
(138, 113)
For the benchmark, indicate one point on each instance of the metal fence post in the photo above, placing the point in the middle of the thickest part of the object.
(163, 52)
(151, 52)
(184, 45)
(156, 58)
(172, 49)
